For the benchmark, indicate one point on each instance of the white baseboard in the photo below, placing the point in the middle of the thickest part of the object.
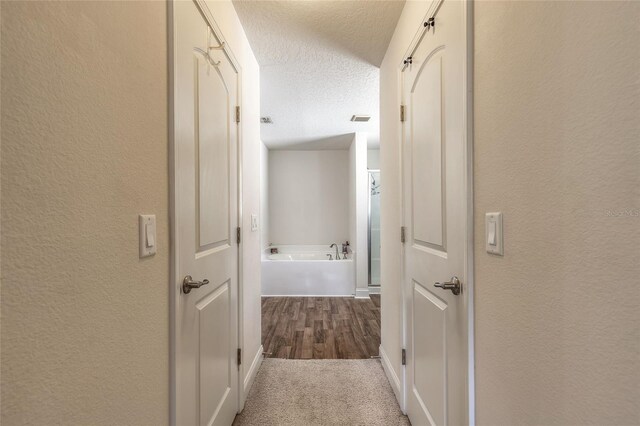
(391, 375)
(374, 289)
(253, 370)
(362, 293)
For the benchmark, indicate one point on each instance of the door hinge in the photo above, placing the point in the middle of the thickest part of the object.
(238, 234)
(239, 356)
(237, 114)
(403, 232)
(404, 357)
(402, 113)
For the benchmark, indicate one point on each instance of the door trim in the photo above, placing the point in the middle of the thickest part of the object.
(174, 279)
(369, 171)
(467, 118)
(468, 8)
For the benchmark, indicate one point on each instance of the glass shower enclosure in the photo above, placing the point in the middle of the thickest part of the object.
(374, 228)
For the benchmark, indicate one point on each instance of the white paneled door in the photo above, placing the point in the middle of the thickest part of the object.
(205, 90)
(435, 215)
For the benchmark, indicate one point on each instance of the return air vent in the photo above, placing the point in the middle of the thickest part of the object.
(361, 118)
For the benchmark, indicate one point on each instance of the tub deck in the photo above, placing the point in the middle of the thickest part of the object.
(307, 271)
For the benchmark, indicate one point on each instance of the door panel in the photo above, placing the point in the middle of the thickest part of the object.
(428, 155)
(430, 356)
(435, 215)
(212, 136)
(214, 341)
(206, 214)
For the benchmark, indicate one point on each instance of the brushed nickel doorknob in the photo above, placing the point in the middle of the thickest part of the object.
(453, 285)
(188, 284)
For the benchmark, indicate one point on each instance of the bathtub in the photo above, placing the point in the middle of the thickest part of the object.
(298, 270)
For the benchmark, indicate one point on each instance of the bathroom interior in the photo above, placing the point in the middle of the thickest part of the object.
(321, 246)
(320, 177)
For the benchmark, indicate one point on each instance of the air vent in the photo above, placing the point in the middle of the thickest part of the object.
(266, 120)
(361, 118)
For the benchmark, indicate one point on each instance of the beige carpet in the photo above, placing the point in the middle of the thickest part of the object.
(321, 392)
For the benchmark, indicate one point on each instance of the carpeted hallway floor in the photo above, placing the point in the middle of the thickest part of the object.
(321, 392)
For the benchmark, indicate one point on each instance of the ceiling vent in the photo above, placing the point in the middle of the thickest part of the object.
(361, 118)
(266, 120)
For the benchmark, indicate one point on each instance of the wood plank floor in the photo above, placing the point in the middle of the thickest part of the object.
(321, 327)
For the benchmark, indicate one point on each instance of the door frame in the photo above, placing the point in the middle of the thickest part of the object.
(174, 279)
(467, 119)
(369, 171)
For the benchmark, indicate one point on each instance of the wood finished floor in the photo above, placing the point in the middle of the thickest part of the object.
(321, 327)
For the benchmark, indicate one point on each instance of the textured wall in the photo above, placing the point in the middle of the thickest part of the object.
(308, 197)
(84, 150)
(557, 104)
(557, 113)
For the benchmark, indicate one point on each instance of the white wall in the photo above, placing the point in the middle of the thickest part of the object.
(264, 195)
(358, 210)
(556, 149)
(308, 197)
(373, 159)
(227, 19)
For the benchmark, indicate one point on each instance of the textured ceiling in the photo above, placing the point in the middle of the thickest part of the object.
(318, 66)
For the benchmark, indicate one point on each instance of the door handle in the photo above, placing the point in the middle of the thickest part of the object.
(453, 285)
(188, 284)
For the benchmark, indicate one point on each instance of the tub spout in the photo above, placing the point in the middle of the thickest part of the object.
(337, 252)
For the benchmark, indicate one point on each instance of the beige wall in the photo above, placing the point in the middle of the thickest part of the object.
(85, 324)
(557, 122)
(84, 151)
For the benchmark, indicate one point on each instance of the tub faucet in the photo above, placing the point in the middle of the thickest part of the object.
(337, 253)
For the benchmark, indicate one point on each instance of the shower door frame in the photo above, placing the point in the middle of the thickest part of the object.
(369, 283)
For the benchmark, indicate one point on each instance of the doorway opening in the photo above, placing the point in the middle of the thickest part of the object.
(316, 258)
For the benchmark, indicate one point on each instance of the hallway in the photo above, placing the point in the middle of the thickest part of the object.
(190, 231)
(321, 392)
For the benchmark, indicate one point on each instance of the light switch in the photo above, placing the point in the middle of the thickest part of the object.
(494, 241)
(254, 222)
(147, 226)
(149, 234)
(492, 233)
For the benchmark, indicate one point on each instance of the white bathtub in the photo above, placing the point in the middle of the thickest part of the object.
(307, 271)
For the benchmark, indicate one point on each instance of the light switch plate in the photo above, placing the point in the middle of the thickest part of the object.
(493, 222)
(148, 240)
(254, 222)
